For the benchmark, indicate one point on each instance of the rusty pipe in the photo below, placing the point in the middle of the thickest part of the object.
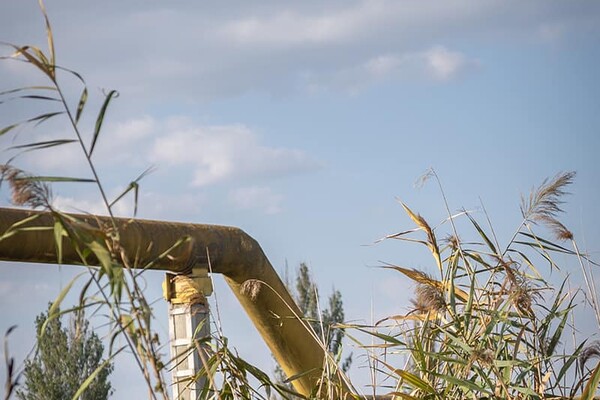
(232, 253)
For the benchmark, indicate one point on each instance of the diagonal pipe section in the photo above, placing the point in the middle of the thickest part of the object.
(232, 253)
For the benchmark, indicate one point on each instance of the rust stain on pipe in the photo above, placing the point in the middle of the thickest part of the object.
(232, 252)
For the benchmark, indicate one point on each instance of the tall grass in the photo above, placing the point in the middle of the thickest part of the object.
(488, 324)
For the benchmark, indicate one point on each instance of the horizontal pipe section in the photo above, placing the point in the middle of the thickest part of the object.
(232, 253)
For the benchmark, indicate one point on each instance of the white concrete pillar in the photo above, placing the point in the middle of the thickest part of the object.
(189, 324)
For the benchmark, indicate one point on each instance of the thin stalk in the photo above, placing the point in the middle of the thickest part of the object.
(116, 315)
(85, 152)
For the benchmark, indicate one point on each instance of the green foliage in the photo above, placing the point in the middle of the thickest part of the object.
(327, 323)
(64, 359)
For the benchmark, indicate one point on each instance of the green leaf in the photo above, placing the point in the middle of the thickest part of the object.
(384, 337)
(558, 333)
(14, 228)
(38, 97)
(134, 185)
(570, 360)
(465, 384)
(57, 179)
(482, 234)
(112, 94)
(300, 375)
(81, 105)
(592, 385)
(30, 96)
(59, 232)
(415, 381)
(21, 89)
(526, 391)
(548, 244)
(8, 128)
(54, 310)
(42, 145)
(44, 117)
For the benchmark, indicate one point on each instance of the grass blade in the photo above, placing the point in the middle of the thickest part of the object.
(432, 243)
(22, 89)
(44, 117)
(415, 381)
(81, 104)
(58, 179)
(112, 94)
(59, 232)
(482, 234)
(42, 145)
(8, 128)
(134, 185)
(41, 62)
(49, 35)
(54, 310)
(592, 385)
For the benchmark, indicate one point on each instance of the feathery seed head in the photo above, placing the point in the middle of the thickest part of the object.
(428, 298)
(25, 190)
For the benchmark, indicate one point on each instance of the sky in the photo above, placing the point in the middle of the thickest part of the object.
(304, 124)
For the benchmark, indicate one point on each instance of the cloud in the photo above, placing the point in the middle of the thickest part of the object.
(256, 198)
(437, 64)
(225, 153)
(123, 208)
(207, 51)
(287, 28)
(115, 146)
(445, 64)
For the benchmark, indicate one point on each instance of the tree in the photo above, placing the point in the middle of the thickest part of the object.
(63, 360)
(323, 321)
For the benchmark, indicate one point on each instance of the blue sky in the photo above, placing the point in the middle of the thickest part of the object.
(302, 123)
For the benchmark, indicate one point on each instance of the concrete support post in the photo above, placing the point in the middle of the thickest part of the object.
(189, 329)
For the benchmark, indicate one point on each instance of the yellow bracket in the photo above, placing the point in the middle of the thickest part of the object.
(187, 289)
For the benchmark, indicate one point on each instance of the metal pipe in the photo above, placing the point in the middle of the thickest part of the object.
(232, 253)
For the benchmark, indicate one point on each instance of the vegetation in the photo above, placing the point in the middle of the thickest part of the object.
(64, 359)
(486, 324)
(327, 323)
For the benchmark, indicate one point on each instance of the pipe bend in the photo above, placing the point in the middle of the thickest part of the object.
(229, 250)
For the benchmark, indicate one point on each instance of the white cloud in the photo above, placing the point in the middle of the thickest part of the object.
(208, 50)
(445, 64)
(436, 63)
(254, 197)
(171, 206)
(131, 130)
(294, 27)
(119, 143)
(123, 208)
(224, 153)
